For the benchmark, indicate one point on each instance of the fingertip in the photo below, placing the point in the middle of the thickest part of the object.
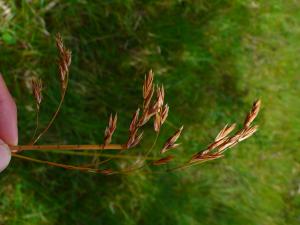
(8, 116)
(5, 155)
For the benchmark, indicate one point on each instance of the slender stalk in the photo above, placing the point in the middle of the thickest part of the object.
(54, 115)
(186, 165)
(153, 145)
(99, 147)
(65, 166)
(37, 125)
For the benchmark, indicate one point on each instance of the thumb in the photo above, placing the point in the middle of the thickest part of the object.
(5, 155)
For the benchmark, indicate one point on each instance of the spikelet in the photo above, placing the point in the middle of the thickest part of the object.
(64, 61)
(134, 139)
(146, 116)
(161, 117)
(170, 143)
(160, 93)
(225, 131)
(148, 89)
(148, 85)
(134, 122)
(248, 132)
(205, 157)
(163, 160)
(37, 87)
(110, 129)
(253, 113)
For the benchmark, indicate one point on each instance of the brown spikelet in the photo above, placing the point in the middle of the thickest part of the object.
(163, 160)
(131, 138)
(229, 143)
(148, 90)
(150, 110)
(110, 129)
(134, 122)
(160, 93)
(164, 113)
(137, 140)
(148, 85)
(157, 122)
(161, 117)
(248, 132)
(170, 143)
(147, 115)
(225, 131)
(134, 139)
(37, 87)
(64, 61)
(148, 99)
(205, 157)
(253, 113)
(216, 144)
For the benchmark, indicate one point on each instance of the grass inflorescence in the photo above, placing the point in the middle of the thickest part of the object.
(152, 108)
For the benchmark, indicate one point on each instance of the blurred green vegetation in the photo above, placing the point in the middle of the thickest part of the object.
(214, 58)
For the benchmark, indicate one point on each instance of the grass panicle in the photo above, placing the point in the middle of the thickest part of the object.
(156, 109)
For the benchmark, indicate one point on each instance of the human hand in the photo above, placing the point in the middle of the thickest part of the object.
(8, 124)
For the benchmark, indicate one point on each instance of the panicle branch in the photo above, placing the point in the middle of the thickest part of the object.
(223, 142)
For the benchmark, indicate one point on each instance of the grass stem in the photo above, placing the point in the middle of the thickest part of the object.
(99, 147)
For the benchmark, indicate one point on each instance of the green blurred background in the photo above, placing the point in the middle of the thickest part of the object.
(215, 57)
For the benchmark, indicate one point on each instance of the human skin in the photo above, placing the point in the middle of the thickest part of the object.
(8, 124)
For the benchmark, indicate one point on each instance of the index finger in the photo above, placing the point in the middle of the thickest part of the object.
(8, 116)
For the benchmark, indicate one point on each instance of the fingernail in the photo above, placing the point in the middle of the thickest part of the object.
(5, 155)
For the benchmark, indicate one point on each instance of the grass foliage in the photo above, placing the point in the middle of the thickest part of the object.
(214, 58)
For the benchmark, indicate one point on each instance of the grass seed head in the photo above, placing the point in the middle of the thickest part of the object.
(64, 61)
(253, 113)
(163, 160)
(147, 114)
(134, 139)
(157, 122)
(225, 131)
(160, 93)
(222, 142)
(170, 143)
(164, 113)
(249, 131)
(205, 157)
(137, 140)
(160, 117)
(134, 122)
(148, 85)
(110, 129)
(37, 87)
